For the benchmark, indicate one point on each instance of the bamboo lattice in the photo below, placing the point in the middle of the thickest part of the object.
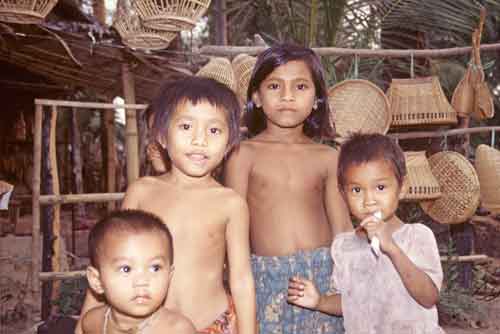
(25, 11)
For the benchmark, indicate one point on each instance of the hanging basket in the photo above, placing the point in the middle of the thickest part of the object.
(219, 69)
(243, 65)
(421, 183)
(174, 15)
(25, 11)
(488, 170)
(419, 102)
(459, 187)
(358, 106)
(136, 36)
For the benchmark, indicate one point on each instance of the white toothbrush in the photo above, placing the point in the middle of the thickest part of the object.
(375, 243)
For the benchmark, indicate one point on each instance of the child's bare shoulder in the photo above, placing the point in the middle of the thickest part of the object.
(231, 199)
(174, 322)
(93, 320)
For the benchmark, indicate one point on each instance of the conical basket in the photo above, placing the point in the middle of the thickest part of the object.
(25, 11)
(488, 170)
(419, 101)
(220, 69)
(171, 14)
(459, 187)
(358, 106)
(421, 183)
(135, 35)
(243, 65)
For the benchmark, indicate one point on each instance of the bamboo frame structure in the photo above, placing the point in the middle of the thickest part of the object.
(57, 199)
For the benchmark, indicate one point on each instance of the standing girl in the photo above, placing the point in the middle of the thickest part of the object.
(289, 181)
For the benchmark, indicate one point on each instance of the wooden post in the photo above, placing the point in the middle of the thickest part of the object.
(108, 145)
(131, 138)
(35, 229)
(76, 159)
(220, 22)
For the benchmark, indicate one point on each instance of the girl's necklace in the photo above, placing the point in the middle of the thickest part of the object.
(133, 330)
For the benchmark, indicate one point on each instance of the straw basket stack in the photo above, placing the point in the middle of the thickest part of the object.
(136, 36)
(488, 169)
(358, 106)
(421, 183)
(25, 11)
(419, 101)
(173, 15)
(220, 69)
(459, 187)
(243, 65)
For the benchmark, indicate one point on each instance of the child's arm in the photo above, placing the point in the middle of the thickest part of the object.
(169, 321)
(419, 285)
(237, 170)
(92, 321)
(336, 208)
(240, 273)
(133, 195)
(303, 292)
(90, 302)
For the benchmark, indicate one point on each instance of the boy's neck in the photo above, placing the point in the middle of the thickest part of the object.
(177, 178)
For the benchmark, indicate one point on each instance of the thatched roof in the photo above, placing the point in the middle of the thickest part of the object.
(72, 51)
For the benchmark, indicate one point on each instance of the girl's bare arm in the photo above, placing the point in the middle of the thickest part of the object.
(237, 170)
(240, 272)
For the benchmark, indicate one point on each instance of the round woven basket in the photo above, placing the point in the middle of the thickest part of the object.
(421, 183)
(488, 170)
(25, 11)
(358, 106)
(174, 15)
(243, 65)
(459, 187)
(220, 69)
(419, 101)
(136, 36)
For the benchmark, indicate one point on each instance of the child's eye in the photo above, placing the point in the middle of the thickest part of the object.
(380, 187)
(273, 86)
(356, 190)
(302, 86)
(156, 267)
(185, 126)
(125, 269)
(215, 131)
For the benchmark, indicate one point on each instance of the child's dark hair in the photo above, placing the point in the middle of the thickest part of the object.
(318, 124)
(195, 89)
(362, 148)
(128, 221)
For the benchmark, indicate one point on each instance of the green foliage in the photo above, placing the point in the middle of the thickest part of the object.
(71, 296)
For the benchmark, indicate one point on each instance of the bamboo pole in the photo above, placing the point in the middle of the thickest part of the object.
(217, 50)
(443, 133)
(131, 138)
(109, 151)
(35, 229)
(465, 258)
(53, 276)
(80, 198)
(88, 105)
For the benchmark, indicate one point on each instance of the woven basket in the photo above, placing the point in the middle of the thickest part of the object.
(220, 69)
(419, 102)
(488, 170)
(25, 11)
(358, 106)
(136, 36)
(174, 15)
(243, 65)
(459, 187)
(421, 183)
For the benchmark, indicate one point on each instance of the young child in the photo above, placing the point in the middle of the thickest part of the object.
(197, 123)
(289, 181)
(131, 265)
(396, 291)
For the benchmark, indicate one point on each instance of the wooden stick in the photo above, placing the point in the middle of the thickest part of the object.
(80, 198)
(35, 228)
(434, 134)
(52, 276)
(88, 105)
(217, 50)
(465, 258)
(131, 136)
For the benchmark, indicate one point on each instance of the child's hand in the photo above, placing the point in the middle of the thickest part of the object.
(303, 293)
(376, 227)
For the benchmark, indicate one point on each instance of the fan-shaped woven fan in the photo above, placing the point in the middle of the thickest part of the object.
(171, 14)
(243, 65)
(459, 188)
(358, 106)
(488, 169)
(220, 69)
(421, 183)
(419, 101)
(25, 11)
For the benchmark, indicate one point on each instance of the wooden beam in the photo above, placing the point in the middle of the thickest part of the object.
(80, 198)
(442, 133)
(53, 276)
(131, 137)
(88, 105)
(217, 50)
(35, 228)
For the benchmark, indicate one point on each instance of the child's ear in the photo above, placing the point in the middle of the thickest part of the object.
(94, 279)
(256, 99)
(404, 188)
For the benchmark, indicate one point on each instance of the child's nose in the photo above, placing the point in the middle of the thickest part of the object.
(141, 279)
(369, 198)
(200, 138)
(287, 94)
